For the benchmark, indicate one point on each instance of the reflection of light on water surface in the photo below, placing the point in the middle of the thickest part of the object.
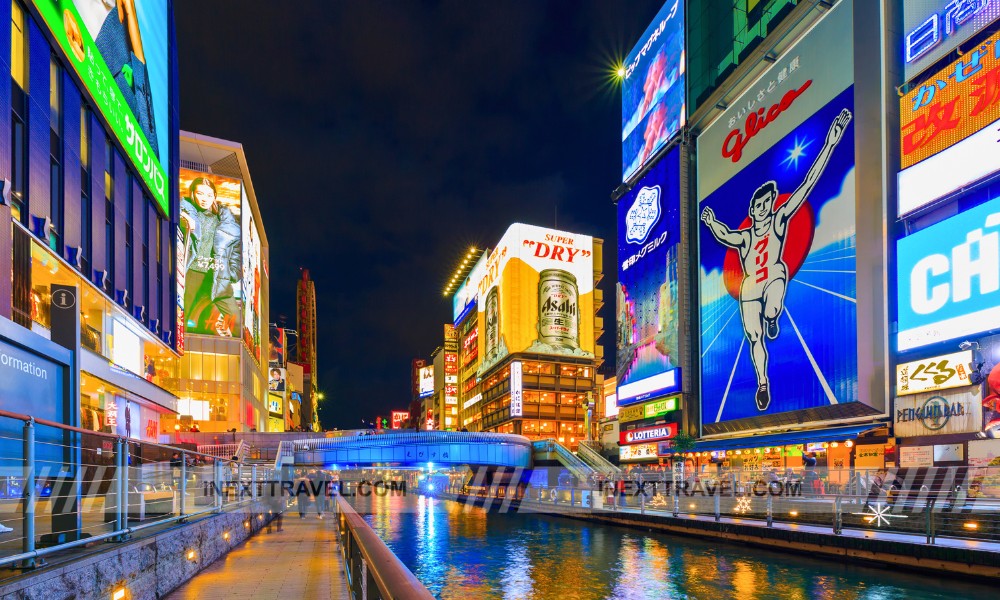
(463, 552)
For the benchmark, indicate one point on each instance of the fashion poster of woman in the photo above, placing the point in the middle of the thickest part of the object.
(210, 258)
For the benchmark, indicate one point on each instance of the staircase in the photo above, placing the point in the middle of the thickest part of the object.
(546, 450)
(589, 452)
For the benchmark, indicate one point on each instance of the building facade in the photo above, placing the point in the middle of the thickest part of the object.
(526, 336)
(305, 311)
(793, 286)
(222, 299)
(86, 258)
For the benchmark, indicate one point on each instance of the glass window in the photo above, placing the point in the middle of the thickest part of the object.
(18, 46)
(55, 94)
(547, 398)
(547, 427)
(19, 168)
(85, 138)
(531, 397)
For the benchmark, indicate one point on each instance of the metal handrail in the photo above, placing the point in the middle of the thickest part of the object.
(591, 456)
(442, 437)
(392, 578)
(571, 461)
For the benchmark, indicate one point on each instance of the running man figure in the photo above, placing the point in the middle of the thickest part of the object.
(765, 275)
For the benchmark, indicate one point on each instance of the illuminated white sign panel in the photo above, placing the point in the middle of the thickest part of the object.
(968, 161)
(471, 401)
(516, 392)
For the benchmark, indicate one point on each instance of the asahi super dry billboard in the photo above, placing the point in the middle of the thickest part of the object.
(537, 295)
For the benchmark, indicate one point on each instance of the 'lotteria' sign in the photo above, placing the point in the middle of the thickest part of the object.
(649, 434)
(948, 277)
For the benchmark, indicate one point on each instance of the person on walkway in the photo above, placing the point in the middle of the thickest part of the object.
(276, 503)
(303, 493)
(315, 488)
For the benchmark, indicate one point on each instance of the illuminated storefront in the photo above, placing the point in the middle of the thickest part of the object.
(125, 369)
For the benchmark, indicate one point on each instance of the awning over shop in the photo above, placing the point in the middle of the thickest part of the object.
(836, 434)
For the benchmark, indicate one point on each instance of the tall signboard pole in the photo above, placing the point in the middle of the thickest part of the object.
(66, 517)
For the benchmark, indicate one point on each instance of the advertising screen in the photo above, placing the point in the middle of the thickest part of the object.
(276, 347)
(949, 127)
(426, 381)
(948, 278)
(648, 239)
(933, 28)
(399, 418)
(119, 50)
(653, 108)
(465, 298)
(250, 281)
(276, 378)
(778, 312)
(210, 253)
(537, 295)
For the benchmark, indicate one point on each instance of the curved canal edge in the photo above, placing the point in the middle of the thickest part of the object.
(958, 558)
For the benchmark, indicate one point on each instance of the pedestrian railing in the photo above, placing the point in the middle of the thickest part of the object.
(373, 571)
(63, 487)
(957, 502)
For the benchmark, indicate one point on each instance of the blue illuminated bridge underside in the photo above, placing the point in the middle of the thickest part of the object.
(406, 449)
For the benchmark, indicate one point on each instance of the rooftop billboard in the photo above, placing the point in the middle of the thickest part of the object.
(537, 295)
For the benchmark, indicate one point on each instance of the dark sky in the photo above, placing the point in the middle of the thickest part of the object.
(385, 138)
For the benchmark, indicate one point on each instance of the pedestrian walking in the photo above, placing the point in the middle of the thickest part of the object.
(303, 493)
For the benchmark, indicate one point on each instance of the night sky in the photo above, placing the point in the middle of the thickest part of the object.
(384, 139)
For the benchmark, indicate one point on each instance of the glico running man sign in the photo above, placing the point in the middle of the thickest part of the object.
(778, 312)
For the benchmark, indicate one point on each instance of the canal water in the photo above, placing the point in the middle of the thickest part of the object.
(464, 552)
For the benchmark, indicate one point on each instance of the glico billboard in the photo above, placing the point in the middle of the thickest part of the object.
(653, 107)
(648, 238)
(949, 127)
(120, 52)
(948, 277)
(776, 185)
(210, 254)
(537, 295)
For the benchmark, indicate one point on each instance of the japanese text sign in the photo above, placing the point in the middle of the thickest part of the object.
(955, 103)
(935, 373)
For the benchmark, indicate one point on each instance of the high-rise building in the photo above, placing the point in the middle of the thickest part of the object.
(88, 214)
(222, 292)
(305, 316)
(528, 353)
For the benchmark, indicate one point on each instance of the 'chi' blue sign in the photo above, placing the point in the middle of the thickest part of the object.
(948, 278)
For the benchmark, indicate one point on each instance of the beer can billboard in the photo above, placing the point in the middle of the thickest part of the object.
(777, 236)
(648, 313)
(537, 295)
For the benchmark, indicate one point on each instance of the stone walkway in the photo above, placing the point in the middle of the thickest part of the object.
(302, 561)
